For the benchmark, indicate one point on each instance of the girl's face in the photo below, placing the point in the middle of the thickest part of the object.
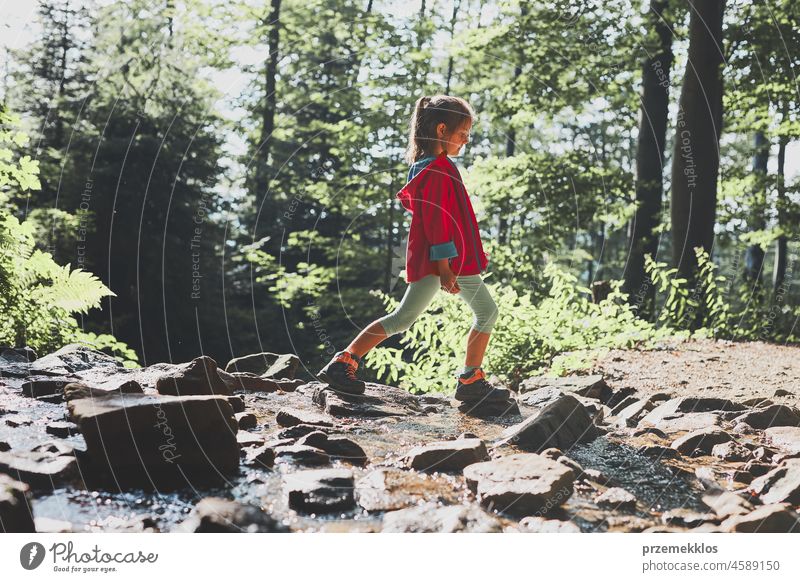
(455, 140)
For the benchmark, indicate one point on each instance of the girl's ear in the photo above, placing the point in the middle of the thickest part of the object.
(440, 130)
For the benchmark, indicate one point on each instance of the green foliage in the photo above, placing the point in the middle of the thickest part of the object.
(38, 297)
(557, 333)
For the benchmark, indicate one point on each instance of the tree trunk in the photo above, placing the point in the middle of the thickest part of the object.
(650, 159)
(268, 112)
(754, 256)
(781, 244)
(453, 18)
(695, 165)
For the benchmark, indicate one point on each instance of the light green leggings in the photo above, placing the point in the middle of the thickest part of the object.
(419, 295)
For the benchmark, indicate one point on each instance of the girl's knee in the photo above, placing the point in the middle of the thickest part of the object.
(486, 321)
(395, 323)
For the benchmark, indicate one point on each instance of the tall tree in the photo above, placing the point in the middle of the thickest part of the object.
(653, 113)
(695, 162)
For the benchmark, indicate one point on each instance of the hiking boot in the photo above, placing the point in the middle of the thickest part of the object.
(473, 387)
(340, 374)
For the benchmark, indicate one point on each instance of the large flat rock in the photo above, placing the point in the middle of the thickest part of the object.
(377, 401)
(521, 484)
(320, 490)
(433, 518)
(447, 455)
(589, 386)
(150, 440)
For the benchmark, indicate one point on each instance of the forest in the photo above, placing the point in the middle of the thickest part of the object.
(194, 177)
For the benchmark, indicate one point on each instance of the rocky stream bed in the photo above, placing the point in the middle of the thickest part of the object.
(86, 445)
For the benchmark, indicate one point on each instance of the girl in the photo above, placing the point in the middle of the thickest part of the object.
(444, 248)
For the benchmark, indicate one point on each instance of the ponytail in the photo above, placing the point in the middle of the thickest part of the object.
(429, 112)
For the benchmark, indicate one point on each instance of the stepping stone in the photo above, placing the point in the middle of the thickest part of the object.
(217, 515)
(78, 390)
(287, 417)
(320, 491)
(248, 439)
(490, 409)
(532, 524)
(560, 424)
(447, 455)
(389, 489)
(731, 451)
(589, 386)
(785, 437)
(339, 448)
(45, 386)
(16, 515)
(780, 485)
(262, 456)
(266, 364)
(773, 518)
(541, 397)
(433, 518)
(634, 412)
(246, 420)
(300, 430)
(522, 484)
(687, 414)
(616, 498)
(62, 429)
(39, 470)
(248, 381)
(376, 402)
(301, 455)
(144, 439)
(775, 415)
(700, 442)
(198, 377)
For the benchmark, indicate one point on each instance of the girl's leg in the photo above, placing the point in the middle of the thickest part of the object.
(417, 297)
(475, 293)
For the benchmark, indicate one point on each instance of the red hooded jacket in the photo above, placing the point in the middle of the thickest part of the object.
(443, 224)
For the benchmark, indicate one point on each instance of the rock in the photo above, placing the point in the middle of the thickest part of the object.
(320, 491)
(781, 392)
(248, 439)
(39, 470)
(78, 390)
(687, 414)
(62, 429)
(49, 525)
(58, 448)
(684, 517)
(12, 354)
(246, 420)
(731, 451)
(196, 378)
(217, 515)
(16, 515)
(339, 448)
(757, 469)
(627, 523)
(726, 503)
(301, 455)
(623, 404)
(785, 437)
(773, 518)
(266, 364)
(75, 358)
(236, 402)
(143, 439)
(248, 381)
(38, 386)
(541, 397)
(388, 489)
(588, 386)
(431, 517)
(775, 415)
(287, 385)
(742, 428)
(780, 485)
(261, 456)
(4, 446)
(376, 402)
(700, 442)
(616, 498)
(300, 430)
(561, 424)
(650, 430)
(521, 484)
(17, 420)
(447, 455)
(757, 402)
(292, 416)
(490, 409)
(541, 525)
(658, 452)
(631, 414)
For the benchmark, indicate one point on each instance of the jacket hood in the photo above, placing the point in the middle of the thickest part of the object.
(409, 192)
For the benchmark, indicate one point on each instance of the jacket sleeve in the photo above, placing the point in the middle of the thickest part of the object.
(439, 216)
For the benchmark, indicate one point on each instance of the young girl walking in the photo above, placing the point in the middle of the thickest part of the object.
(444, 248)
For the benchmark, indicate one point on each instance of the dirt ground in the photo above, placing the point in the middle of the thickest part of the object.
(719, 368)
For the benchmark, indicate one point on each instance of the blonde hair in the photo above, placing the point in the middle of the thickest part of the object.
(429, 112)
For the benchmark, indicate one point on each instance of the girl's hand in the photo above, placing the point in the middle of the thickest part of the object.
(449, 281)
